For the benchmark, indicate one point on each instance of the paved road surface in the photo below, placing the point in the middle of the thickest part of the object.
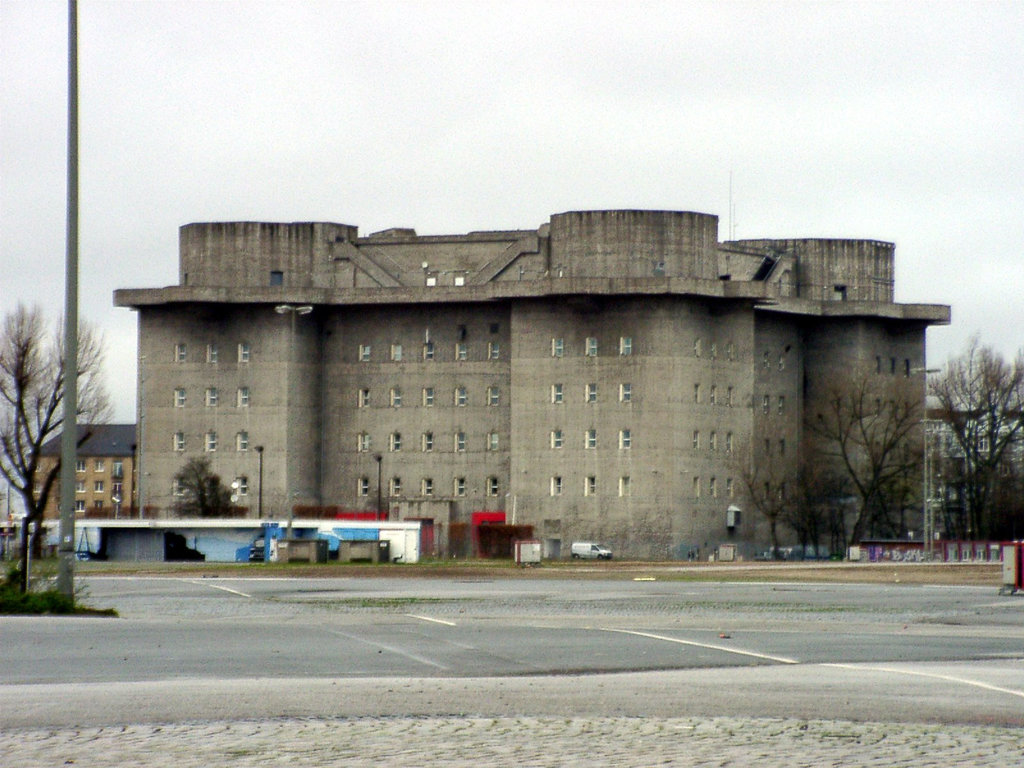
(244, 671)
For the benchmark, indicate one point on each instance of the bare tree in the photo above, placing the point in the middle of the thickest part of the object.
(767, 478)
(32, 404)
(201, 492)
(981, 397)
(869, 426)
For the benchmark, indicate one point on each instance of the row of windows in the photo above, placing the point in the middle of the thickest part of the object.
(397, 352)
(364, 442)
(211, 441)
(212, 397)
(395, 487)
(100, 465)
(239, 487)
(243, 353)
(99, 486)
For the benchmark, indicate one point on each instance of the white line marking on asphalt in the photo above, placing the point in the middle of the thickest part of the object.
(932, 675)
(216, 586)
(392, 648)
(435, 621)
(712, 646)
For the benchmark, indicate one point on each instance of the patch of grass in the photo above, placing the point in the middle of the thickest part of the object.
(44, 602)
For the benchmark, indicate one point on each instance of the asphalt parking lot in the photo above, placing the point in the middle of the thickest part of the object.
(477, 655)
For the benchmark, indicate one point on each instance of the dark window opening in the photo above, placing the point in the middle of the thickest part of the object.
(276, 277)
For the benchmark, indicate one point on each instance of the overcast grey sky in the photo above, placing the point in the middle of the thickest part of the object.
(893, 121)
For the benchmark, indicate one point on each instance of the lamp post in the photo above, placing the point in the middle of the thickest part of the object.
(259, 481)
(293, 310)
(379, 459)
(928, 514)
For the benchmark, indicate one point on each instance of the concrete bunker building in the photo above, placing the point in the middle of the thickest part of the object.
(595, 377)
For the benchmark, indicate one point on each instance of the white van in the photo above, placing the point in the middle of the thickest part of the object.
(588, 550)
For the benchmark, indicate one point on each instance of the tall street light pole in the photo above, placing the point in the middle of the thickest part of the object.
(259, 480)
(378, 458)
(293, 310)
(69, 438)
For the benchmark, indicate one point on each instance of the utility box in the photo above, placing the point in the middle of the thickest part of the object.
(726, 553)
(528, 551)
(374, 551)
(302, 551)
(1013, 568)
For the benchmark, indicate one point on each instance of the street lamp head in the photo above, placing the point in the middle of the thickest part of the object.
(259, 448)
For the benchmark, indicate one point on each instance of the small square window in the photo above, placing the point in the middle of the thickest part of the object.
(364, 486)
(395, 397)
(241, 485)
(428, 442)
(625, 486)
(590, 394)
(244, 352)
(211, 442)
(80, 465)
(493, 350)
(276, 277)
(493, 396)
(765, 404)
(179, 441)
(626, 346)
(591, 346)
(495, 327)
(97, 486)
(396, 352)
(556, 438)
(459, 486)
(492, 486)
(556, 393)
(365, 350)
(395, 441)
(242, 397)
(427, 486)
(80, 486)
(556, 486)
(99, 465)
(557, 347)
(461, 351)
(242, 441)
(179, 398)
(364, 398)
(696, 439)
(80, 505)
(428, 397)
(492, 441)
(590, 486)
(212, 355)
(625, 439)
(428, 350)
(460, 442)
(363, 442)
(180, 353)
(625, 393)
(211, 397)
(590, 439)
(461, 398)
(396, 486)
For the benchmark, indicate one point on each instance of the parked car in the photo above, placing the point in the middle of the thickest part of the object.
(589, 550)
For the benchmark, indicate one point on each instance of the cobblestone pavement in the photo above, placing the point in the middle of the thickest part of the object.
(525, 741)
